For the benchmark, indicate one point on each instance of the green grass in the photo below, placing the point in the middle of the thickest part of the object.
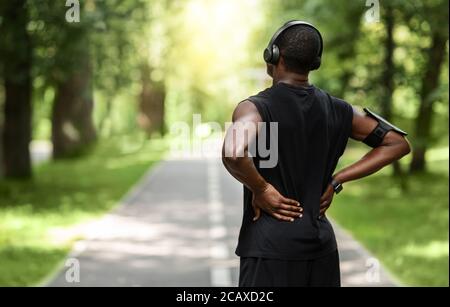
(407, 230)
(35, 216)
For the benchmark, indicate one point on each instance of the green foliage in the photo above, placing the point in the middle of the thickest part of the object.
(110, 33)
(209, 64)
(407, 231)
(36, 217)
(209, 56)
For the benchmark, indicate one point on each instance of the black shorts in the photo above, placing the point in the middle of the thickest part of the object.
(263, 272)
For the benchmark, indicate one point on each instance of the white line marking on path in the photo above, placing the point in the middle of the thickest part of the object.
(220, 274)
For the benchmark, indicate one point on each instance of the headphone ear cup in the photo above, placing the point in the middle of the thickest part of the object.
(316, 64)
(275, 55)
(267, 55)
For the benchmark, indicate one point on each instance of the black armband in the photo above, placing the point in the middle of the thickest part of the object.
(375, 138)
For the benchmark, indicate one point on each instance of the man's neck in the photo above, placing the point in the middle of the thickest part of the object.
(292, 79)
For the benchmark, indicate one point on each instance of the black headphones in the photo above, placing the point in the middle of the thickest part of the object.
(272, 52)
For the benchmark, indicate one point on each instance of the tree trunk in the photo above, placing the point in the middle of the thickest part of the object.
(347, 52)
(430, 82)
(151, 104)
(17, 60)
(388, 72)
(2, 99)
(387, 81)
(72, 123)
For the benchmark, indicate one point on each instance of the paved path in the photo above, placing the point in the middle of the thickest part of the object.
(179, 227)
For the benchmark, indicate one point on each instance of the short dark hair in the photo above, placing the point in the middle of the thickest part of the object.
(299, 46)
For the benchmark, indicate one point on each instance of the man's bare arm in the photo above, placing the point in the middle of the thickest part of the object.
(238, 163)
(235, 148)
(393, 147)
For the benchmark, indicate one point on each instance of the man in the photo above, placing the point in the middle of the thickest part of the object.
(285, 238)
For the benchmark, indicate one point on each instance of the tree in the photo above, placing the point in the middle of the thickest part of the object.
(388, 73)
(2, 94)
(151, 103)
(16, 52)
(119, 46)
(73, 129)
(343, 43)
(72, 123)
(1, 127)
(430, 82)
(387, 76)
(436, 16)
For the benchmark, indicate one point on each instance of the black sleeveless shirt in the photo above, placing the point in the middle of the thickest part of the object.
(313, 130)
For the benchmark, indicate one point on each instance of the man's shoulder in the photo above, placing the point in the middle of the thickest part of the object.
(263, 96)
(258, 100)
(335, 101)
(256, 103)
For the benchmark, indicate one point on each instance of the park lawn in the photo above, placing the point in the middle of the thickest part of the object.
(407, 231)
(35, 216)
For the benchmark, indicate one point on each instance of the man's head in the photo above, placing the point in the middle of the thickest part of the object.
(300, 50)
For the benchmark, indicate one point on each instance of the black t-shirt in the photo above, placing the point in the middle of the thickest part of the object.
(313, 130)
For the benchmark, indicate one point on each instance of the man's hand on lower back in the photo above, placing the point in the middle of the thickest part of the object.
(326, 199)
(276, 205)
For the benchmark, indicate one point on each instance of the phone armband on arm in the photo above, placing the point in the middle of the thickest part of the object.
(375, 138)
